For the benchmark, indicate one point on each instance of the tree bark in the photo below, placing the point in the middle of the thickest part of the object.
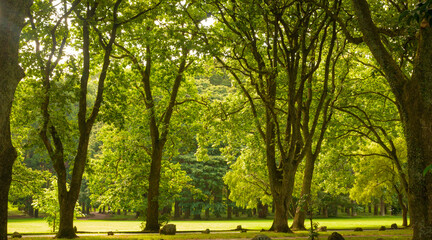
(177, 214)
(159, 137)
(300, 214)
(382, 206)
(403, 206)
(152, 218)
(67, 208)
(12, 14)
(414, 100)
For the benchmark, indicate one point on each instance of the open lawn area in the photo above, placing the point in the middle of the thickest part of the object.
(343, 225)
(367, 235)
(30, 225)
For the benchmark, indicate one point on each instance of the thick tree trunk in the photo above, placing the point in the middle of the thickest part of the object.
(282, 196)
(417, 115)
(12, 14)
(419, 156)
(300, 214)
(280, 221)
(414, 98)
(67, 208)
(152, 218)
(7, 157)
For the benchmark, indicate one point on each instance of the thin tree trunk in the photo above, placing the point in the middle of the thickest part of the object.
(403, 206)
(12, 14)
(177, 210)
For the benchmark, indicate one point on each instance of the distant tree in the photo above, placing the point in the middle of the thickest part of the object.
(206, 177)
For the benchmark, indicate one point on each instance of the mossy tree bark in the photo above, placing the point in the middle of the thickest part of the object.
(12, 15)
(414, 98)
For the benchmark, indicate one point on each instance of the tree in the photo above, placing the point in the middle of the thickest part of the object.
(12, 16)
(206, 179)
(119, 173)
(68, 150)
(163, 61)
(377, 176)
(273, 51)
(367, 114)
(411, 86)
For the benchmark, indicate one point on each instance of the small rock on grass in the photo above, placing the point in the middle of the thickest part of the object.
(335, 236)
(168, 229)
(261, 237)
(16, 235)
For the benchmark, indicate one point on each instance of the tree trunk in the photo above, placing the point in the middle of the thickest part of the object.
(176, 210)
(67, 207)
(302, 208)
(229, 210)
(282, 195)
(414, 100)
(152, 218)
(187, 213)
(12, 14)
(262, 209)
(207, 213)
(404, 216)
(375, 209)
(403, 206)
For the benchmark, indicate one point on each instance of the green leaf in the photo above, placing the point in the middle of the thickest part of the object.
(427, 169)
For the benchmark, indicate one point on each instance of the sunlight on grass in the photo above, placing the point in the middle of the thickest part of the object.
(27, 225)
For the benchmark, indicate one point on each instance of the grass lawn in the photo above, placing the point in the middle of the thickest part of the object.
(349, 235)
(29, 225)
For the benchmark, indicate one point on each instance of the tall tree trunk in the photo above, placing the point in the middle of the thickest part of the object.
(12, 14)
(414, 100)
(158, 137)
(302, 208)
(152, 218)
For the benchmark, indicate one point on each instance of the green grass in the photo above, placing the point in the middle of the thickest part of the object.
(29, 225)
(349, 235)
